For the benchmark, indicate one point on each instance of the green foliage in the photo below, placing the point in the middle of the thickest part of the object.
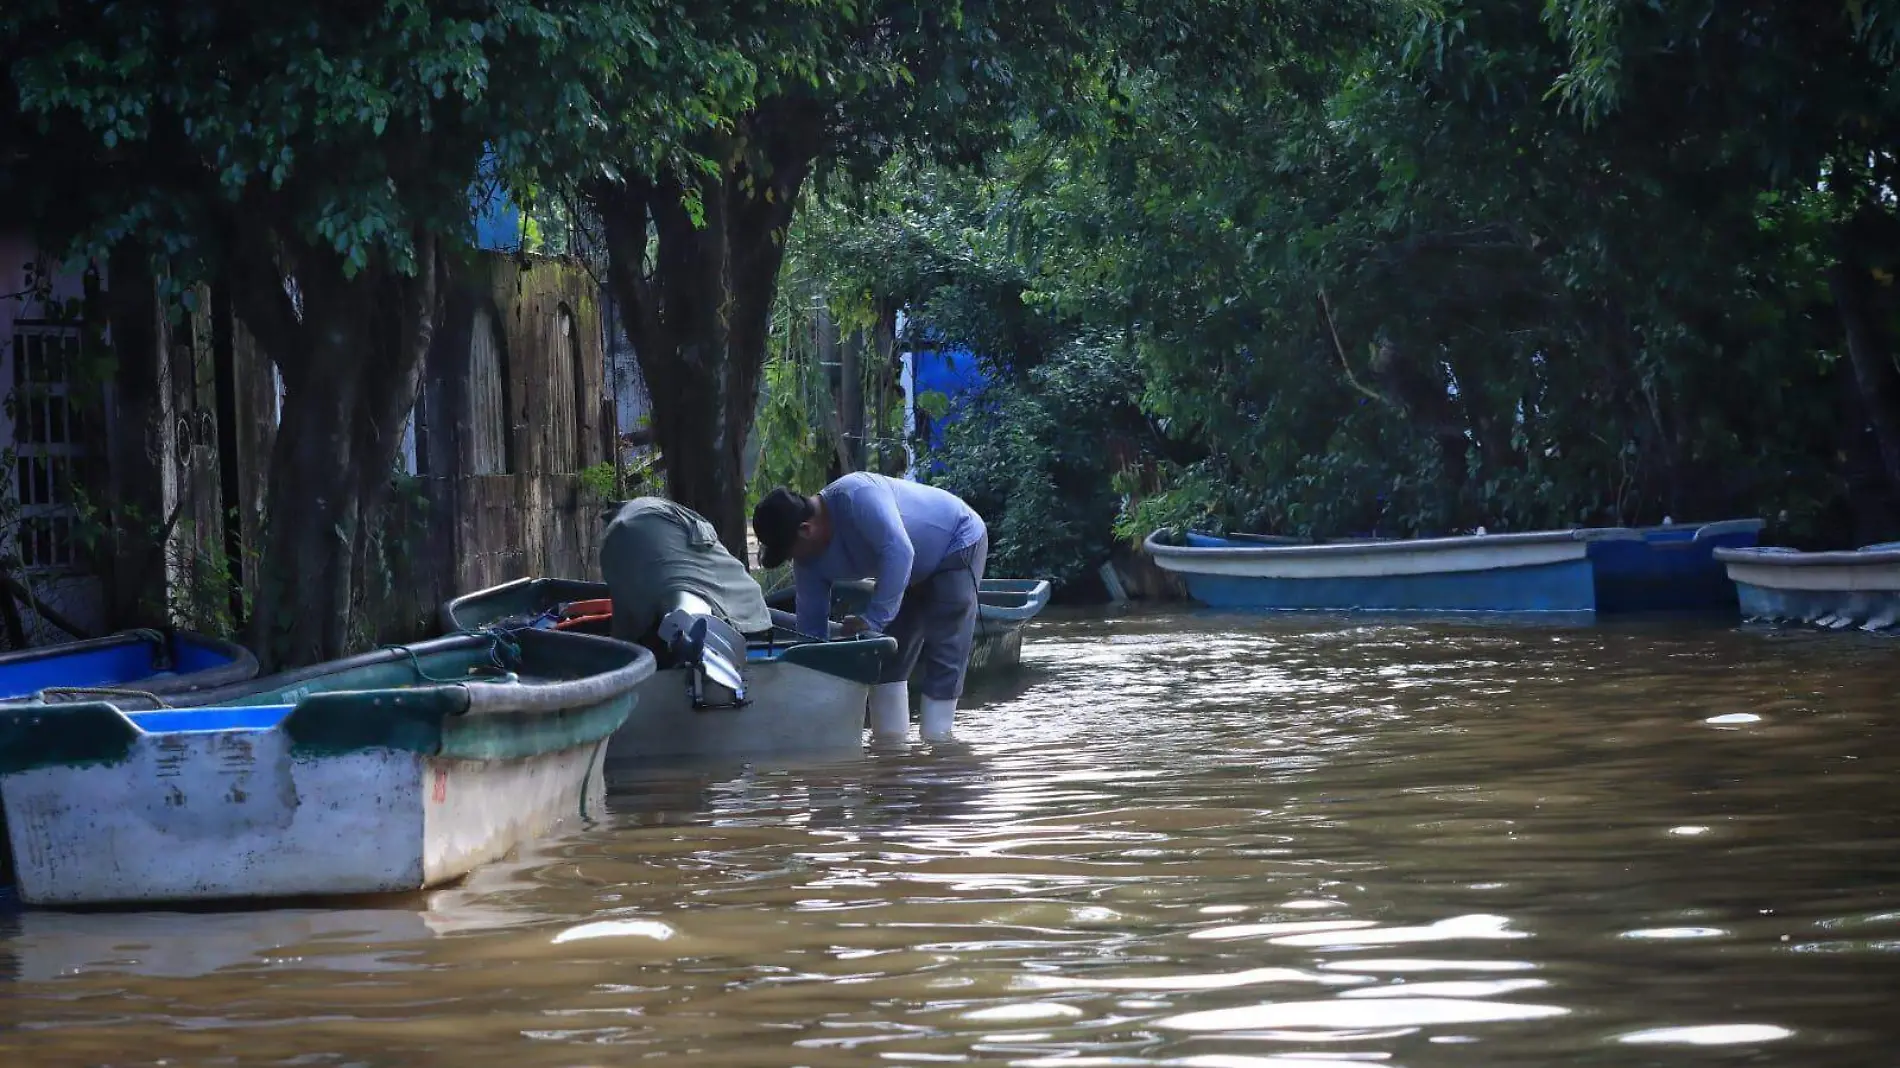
(1035, 457)
(600, 480)
(1396, 283)
(639, 478)
(1413, 296)
(341, 133)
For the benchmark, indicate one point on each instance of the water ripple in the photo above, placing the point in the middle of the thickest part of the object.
(1204, 842)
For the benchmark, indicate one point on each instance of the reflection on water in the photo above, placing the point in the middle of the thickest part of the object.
(1205, 842)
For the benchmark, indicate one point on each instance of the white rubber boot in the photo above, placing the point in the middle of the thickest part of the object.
(937, 716)
(890, 711)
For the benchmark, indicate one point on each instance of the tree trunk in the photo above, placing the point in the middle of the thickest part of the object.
(699, 308)
(350, 363)
(851, 399)
(1869, 353)
(135, 565)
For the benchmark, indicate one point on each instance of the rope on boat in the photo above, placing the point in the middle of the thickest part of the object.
(503, 653)
(100, 691)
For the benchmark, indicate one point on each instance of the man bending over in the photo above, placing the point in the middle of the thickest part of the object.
(922, 547)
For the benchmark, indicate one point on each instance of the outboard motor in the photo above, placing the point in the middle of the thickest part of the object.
(708, 648)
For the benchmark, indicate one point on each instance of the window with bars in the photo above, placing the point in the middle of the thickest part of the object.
(48, 435)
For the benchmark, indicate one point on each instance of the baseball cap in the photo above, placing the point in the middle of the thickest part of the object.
(775, 522)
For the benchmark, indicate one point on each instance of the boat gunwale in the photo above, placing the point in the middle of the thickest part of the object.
(466, 696)
(1776, 556)
(1035, 594)
(1285, 547)
(1717, 528)
(1396, 547)
(449, 613)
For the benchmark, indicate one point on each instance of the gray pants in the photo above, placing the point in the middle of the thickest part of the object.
(937, 622)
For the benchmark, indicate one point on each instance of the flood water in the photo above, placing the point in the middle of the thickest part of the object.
(1195, 841)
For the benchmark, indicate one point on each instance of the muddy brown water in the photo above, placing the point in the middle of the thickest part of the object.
(1196, 841)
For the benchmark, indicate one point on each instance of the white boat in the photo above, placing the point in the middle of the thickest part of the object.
(1834, 590)
(793, 695)
(396, 770)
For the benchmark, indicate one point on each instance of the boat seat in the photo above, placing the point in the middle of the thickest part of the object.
(710, 650)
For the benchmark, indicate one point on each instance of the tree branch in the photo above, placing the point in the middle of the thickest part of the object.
(1326, 317)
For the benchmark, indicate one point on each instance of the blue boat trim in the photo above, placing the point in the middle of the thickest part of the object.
(198, 720)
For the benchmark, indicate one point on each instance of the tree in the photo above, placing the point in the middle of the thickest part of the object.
(1796, 102)
(316, 161)
(1426, 299)
(837, 87)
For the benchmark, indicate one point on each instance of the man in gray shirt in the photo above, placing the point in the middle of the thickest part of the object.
(923, 548)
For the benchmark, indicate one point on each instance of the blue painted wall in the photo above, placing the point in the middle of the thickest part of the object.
(953, 372)
(497, 218)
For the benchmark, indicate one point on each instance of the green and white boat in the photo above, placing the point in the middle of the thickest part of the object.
(395, 770)
(723, 697)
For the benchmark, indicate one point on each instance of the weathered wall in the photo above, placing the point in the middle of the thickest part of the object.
(461, 527)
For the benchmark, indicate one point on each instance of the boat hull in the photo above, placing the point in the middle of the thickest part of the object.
(395, 770)
(1546, 573)
(218, 815)
(804, 697)
(1834, 590)
(997, 650)
(792, 709)
(1671, 569)
(1562, 587)
(1580, 572)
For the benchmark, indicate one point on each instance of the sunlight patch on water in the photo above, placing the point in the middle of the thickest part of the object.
(1402, 965)
(1471, 988)
(1292, 927)
(1713, 1035)
(653, 929)
(1674, 933)
(1043, 1010)
(1457, 927)
(1337, 1015)
(1211, 981)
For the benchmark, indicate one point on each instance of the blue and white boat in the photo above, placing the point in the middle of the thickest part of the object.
(1553, 574)
(143, 660)
(1834, 590)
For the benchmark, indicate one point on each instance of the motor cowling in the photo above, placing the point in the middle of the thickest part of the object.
(707, 648)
